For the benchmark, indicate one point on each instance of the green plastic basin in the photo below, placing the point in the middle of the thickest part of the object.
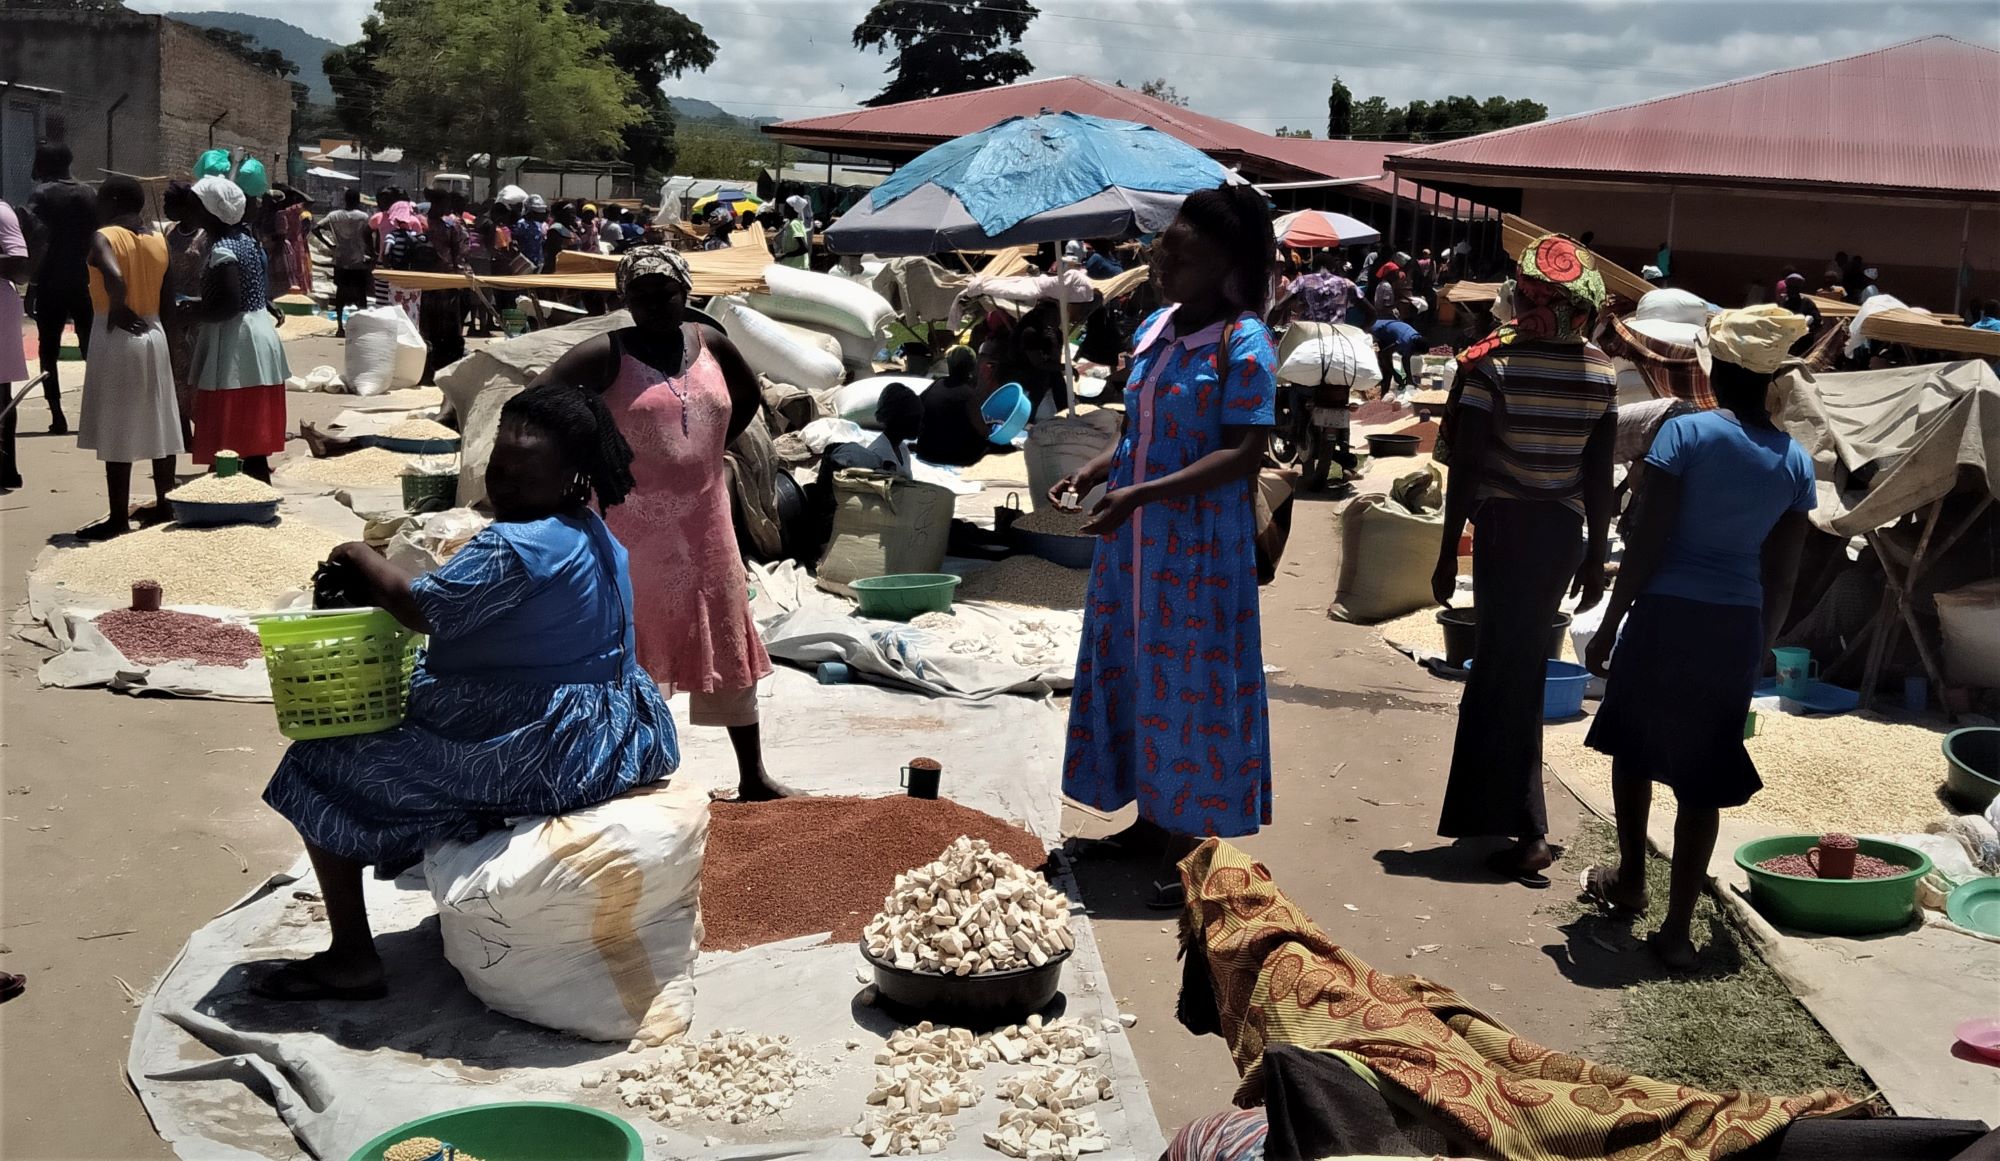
(521, 1131)
(1833, 906)
(900, 596)
(1972, 765)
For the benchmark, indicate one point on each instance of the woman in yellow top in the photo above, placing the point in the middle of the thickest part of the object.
(129, 413)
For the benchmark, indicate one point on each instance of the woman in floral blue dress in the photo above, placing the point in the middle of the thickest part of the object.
(1168, 708)
(529, 700)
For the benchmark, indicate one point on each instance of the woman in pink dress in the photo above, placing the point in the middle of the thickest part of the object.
(681, 393)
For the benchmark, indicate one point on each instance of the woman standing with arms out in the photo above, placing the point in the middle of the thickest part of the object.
(129, 413)
(1706, 580)
(681, 393)
(1169, 708)
(1529, 445)
(527, 701)
(239, 369)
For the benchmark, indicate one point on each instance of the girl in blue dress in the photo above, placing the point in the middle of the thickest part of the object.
(1168, 708)
(528, 700)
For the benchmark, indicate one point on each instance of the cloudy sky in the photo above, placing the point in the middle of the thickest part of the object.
(1267, 63)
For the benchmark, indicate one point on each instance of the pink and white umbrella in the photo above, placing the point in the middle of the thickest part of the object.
(1315, 229)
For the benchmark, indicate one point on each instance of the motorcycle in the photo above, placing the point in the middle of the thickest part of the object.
(1311, 433)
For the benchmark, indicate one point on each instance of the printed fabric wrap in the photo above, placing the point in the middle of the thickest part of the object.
(1555, 291)
(1278, 979)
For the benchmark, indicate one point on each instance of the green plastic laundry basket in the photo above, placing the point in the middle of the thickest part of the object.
(521, 1131)
(337, 672)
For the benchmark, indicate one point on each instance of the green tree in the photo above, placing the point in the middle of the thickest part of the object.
(946, 46)
(1371, 119)
(651, 43)
(355, 72)
(503, 78)
(250, 51)
(1283, 131)
(1339, 111)
(1160, 90)
(711, 151)
(1375, 119)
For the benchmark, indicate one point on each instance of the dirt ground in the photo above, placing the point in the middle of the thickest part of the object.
(129, 822)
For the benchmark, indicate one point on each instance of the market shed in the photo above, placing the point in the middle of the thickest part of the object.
(1892, 154)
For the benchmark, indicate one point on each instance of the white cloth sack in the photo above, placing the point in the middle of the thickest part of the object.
(1969, 618)
(1057, 447)
(385, 351)
(770, 350)
(1313, 353)
(586, 923)
(856, 402)
(320, 378)
(805, 296)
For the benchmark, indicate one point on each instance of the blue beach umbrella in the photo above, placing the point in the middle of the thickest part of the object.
(1029, 180)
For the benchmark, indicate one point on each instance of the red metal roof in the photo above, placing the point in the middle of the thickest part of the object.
(1921, 117)
(932, 120)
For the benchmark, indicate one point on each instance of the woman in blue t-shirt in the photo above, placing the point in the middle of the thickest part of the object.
(1707, 576)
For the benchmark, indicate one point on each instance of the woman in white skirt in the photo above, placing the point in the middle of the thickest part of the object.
(129, 410)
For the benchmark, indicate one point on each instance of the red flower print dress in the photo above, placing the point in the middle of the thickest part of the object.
(1169, 706)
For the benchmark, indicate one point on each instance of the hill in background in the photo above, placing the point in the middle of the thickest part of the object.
(300, 47)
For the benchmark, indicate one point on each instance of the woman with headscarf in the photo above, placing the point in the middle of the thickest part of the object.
(239, 367)
(681, 394)
(1707, 580)
(129, 412)
(1169, 707)
(187, 256)
(405, 245)
(1529, 436)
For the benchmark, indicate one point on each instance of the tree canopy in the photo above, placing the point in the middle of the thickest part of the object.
(500, 77)
(651, 43)
(1160, 90)
(946, 46)
(1375, 119)
(355, 73)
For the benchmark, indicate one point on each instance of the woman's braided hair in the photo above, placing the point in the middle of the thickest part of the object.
(1237, 219)
(583, 427)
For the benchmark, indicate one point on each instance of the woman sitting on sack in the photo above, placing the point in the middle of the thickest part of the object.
(529, 700)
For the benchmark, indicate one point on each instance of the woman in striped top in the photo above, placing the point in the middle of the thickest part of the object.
(1530, 446)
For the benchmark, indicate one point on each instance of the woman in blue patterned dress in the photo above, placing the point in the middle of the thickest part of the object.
(527, 702)
(1168, 708)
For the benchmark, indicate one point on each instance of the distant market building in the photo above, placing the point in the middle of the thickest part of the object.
(1893, 155)
(130, 93)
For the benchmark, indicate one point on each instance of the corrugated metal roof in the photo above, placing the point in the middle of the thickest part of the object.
(1920, 116)
(932, 120)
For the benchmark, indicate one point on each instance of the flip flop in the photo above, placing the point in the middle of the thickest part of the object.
(11, 986)
(735, 798)
(1168, 896)
(1591, 882)
(1504, 864)
(292, 983)
(100, 532)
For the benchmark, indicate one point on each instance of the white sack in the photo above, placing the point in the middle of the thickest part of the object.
(381, 344)
(809, 297)
(856, 402)
(586, 923)
(1058, 447)
(1313, 353)
(771, 350)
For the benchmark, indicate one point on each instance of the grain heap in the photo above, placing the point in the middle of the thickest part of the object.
(730, 1076)
(164, 635)
(971, 910)
(1801, 867)
(236, 489)
(424, 1149)
(235, 566)
(1054, 522)
(371, 467)
(1027, 580)
(420, 429)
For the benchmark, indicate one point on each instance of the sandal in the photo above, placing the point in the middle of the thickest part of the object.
(1168, 896)
(1507, 865)
(11, 986)
(292, 982)
(1592, 884)
(101, 531)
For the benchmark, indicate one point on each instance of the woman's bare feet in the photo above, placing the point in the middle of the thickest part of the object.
(1676, 952)
(325, 976)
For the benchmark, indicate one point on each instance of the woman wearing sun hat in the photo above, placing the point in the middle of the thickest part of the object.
(1529, 438)
(1707, 578)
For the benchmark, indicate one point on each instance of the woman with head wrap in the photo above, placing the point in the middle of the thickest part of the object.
(1707, 579)
(129, 413)
(187, 256)
(1529, 435)
(681, 394)
(239, 367)
(527, 701)
(405, 245)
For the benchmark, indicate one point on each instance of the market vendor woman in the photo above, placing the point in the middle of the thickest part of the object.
(529, 700)
(1169, 707)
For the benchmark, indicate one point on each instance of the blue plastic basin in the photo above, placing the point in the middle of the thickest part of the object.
(1009, 408)
(1562, 690)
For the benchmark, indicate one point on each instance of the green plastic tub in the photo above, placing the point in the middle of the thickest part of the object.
(900, 596)
(1833, 906)
(1972, 765)
(521, 1131)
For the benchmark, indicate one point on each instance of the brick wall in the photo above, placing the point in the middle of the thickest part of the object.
(200, 82)
(93, 59)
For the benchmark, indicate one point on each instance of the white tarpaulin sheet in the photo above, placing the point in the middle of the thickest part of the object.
(87, 658)
(1907, 431)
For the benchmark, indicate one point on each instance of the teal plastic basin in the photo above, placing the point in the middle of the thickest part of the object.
(1833, 906)
(521, 1131)
(900, 596)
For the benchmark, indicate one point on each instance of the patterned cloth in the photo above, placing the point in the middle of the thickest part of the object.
(1670, 370)
(1237, 1135)
(1325, 297)
(1169, 705)
(1278, 979)
(1556, 288)
(1546, 398)
(476, 748)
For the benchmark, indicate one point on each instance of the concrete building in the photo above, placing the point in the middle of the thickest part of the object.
(131, 93)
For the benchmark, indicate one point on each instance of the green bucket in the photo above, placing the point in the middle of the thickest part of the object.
(1833, 906)
(521, 1131)
(900, 596)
